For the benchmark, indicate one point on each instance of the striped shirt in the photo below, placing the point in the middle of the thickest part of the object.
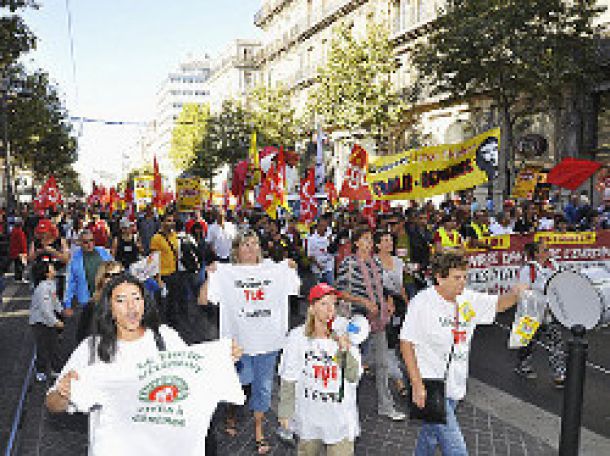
(350, 279)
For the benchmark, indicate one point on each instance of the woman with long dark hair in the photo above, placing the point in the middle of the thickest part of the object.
(126, 326)
(126, 330)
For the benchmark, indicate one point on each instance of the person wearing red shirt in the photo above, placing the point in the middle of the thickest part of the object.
(18, 248)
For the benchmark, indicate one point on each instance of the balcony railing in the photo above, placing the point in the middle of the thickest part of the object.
(411, 17)
(306, 27)
(236, 61)
(269, 8)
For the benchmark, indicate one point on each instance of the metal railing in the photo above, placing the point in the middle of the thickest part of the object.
(269, 8)
(329, 14)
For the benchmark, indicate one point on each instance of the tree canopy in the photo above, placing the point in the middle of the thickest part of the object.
(38, 126)
(524, 55)
(354, 90)
(273, 116)
(188, 133)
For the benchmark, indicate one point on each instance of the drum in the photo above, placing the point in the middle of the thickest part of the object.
(600, 277)
(579, 298)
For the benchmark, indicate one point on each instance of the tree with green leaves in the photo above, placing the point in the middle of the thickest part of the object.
(207, 158)
(38, 127)
(273, 116)
(188, 133)
(230, 132)
(524, 55)
(15, 36)
(354, 90)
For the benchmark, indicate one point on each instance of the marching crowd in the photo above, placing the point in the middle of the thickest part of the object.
(404, 271)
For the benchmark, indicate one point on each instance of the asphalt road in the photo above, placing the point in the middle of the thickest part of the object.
(492, 362)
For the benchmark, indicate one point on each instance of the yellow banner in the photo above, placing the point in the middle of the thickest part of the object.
(143, 191)
(526, 181)
(499, 242)
(188, 194)
(551, 237)
(435, 170)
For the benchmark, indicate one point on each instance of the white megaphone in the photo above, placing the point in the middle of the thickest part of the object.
(357, 328)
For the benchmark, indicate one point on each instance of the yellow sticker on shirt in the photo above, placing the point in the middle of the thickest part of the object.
(526, 328)
(467, 312)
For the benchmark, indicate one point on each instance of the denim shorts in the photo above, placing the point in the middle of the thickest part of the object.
(258, 371)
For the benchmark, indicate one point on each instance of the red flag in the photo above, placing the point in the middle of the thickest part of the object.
(49, 196)
(309, 209)
(271, 193)
(157, 186)
(354, 185)
(238, 182)
(571, 172)
(331, 192)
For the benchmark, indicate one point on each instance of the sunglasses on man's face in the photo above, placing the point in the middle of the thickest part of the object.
(87, 241)
(110, 275)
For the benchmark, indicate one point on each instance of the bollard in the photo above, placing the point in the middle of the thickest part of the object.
(573, 393)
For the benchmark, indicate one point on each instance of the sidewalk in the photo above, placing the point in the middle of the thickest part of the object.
(485, 433)
(65, 435)
(16, 349)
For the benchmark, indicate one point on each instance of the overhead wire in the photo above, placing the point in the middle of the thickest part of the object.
(73, 60)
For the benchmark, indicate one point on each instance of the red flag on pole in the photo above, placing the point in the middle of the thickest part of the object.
(309, 209)
(354, 185)
(331, 193)
(571, 173)
(157, 186)
(49, 196)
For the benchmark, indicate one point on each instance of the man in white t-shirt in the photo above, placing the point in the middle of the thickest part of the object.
(323, 262)
(220, 237)
(440, 318)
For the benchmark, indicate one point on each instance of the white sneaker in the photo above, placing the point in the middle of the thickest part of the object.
(41, 377)
(394, 415)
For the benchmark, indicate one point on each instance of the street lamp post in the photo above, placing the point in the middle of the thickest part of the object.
(7, 154)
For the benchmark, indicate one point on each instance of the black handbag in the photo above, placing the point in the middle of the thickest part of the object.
(434, 410)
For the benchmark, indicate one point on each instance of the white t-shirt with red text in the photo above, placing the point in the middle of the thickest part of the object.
(321, 412)
(430, 326)
(253, 302)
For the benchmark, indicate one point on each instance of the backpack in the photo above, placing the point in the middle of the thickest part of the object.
(190, 256)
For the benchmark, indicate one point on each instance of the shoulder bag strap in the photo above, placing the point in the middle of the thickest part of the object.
(456, 328)
(171, 246)
(159, 340)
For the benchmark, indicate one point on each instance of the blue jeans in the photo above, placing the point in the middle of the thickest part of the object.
(448, 436)
(258, 371)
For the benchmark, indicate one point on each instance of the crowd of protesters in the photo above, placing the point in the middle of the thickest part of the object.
(380, 266)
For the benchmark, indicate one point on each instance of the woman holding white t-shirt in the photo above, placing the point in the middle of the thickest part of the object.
(318, 391)
(126, 328)
(253, 298)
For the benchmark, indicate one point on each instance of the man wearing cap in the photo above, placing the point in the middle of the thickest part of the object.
(320, 371)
